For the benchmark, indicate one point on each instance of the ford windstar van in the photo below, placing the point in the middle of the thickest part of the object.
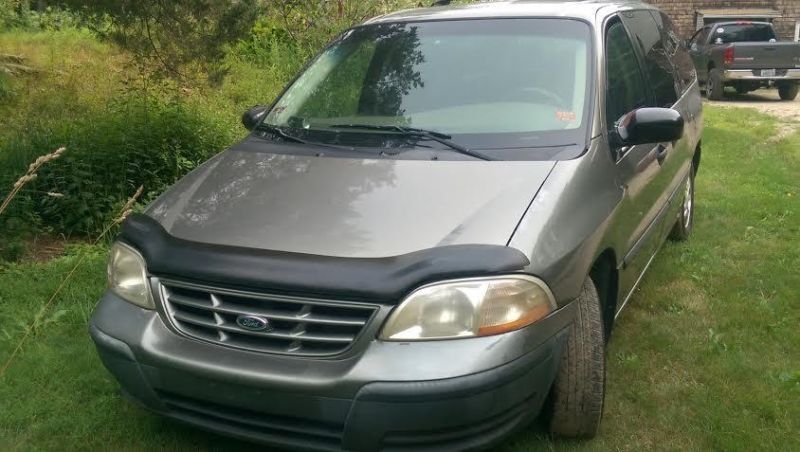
(424, 242)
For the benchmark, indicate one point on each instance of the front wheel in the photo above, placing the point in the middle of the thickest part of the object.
(683, 225)
(714, 87)
(579, 389)
(788, 92)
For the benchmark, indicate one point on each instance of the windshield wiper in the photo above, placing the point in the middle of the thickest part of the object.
(279, 131)
(440, 137)
(275, 130)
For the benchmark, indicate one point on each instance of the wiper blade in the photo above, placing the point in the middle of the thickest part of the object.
(279, 131)
(275, 130)
(440, 137)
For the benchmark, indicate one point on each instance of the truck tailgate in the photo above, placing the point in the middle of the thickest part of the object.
(766, 55)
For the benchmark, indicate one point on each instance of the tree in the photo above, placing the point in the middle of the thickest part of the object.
(173, 36)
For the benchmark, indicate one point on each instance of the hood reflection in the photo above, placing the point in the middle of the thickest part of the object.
(347, 207)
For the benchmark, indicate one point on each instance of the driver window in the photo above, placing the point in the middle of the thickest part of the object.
(625, 88)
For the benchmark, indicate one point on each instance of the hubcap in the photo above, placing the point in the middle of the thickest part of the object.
(688, 200)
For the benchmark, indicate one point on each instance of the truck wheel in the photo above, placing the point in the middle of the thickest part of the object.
(788, 92)
(683, 225)
(579, 389)
(714, 88)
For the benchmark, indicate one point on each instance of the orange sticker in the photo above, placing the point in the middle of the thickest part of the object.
(566, 115)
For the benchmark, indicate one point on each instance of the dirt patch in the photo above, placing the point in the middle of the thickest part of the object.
(43, 248)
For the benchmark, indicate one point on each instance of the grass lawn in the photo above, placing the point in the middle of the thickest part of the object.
(705, 357)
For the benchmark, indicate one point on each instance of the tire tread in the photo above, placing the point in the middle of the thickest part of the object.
(579, 389)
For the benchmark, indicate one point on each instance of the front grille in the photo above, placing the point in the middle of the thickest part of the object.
(259, 426)
(296, 326)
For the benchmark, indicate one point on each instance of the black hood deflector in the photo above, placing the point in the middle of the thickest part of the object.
(384, 280)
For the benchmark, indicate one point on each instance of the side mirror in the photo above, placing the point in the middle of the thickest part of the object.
(649, 125)
(253, 116)
(693, 47)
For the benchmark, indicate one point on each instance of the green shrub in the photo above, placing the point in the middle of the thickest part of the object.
(110, 152)
(13, 15)
(7, 12)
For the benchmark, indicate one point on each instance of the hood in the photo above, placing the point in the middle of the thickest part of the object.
(348, 207)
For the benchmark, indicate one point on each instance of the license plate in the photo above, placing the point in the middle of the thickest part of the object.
(768, 72)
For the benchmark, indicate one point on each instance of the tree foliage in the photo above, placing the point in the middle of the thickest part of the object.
(182, 38)
(175, 38)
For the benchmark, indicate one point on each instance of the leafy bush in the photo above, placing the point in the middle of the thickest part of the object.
(15, 14)
(7, 12)
(111, 152)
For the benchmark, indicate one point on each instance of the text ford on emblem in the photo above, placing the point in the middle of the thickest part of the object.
(253, 323)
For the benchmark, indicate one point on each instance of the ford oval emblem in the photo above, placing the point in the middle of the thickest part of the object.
(253, 323)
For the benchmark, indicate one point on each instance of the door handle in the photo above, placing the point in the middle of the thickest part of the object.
(661, 153)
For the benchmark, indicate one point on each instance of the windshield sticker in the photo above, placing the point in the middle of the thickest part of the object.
(720, 30)
(566, 115)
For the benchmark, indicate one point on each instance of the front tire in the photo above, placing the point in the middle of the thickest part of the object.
(714, 88)
(788, 92)
(579, 389)
(683, 225)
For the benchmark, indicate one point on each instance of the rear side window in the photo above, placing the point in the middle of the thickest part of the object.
(658, 66)
(625, 87)
(682, 61)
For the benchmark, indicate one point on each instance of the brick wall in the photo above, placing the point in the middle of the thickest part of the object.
(683, 12)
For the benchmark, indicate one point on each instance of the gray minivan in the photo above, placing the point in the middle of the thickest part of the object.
(424, 241)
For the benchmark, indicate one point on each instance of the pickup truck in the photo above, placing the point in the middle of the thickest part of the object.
(746, 56)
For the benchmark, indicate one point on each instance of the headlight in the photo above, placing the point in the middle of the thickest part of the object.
(127, 276)
(469, 308)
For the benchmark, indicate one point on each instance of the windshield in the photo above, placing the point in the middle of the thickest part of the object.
(744, 32)
(489, 84)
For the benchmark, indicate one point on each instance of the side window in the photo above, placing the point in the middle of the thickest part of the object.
(625, 88)
(684, 66)
(657, 62)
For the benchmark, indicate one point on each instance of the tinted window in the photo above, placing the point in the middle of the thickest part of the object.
(624, 82)
(684, 67)
(491, 84)
(743, 33)
(658, 65)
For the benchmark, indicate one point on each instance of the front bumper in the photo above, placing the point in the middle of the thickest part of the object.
(755, 75)
(443, 395)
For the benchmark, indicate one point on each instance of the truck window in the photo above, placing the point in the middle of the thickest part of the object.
(625, 88)
(743, 32)
(657, 63)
